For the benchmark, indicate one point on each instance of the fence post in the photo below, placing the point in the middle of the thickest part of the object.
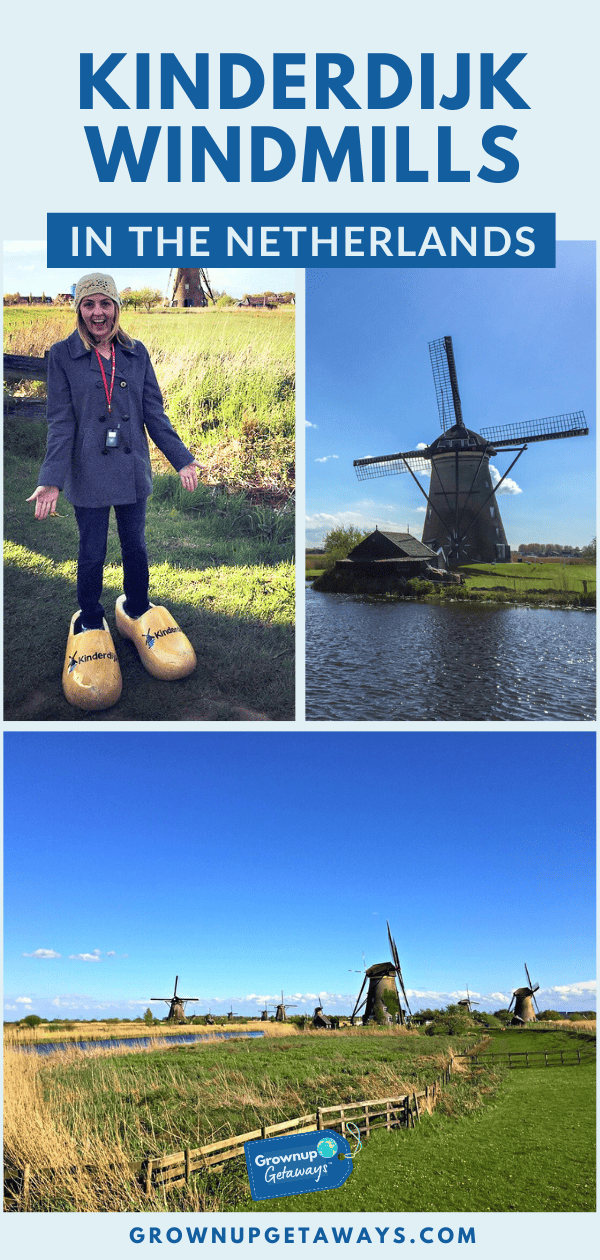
(25, 1185)
(416, 1102)
(561, 1058)
(546, 1057)
(187, 1163)
(342, 1114)
(579, 1056)
(387, 1116)
(527, 1058)
(149, 1167)
(367, 1124)
(319, 1119)
(263, 1131)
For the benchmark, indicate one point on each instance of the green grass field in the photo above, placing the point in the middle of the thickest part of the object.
(221, 559)
(530, 577)
(227, 378)
(500, 1140)
(528, 1145)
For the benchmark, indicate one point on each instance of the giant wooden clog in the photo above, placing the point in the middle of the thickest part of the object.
(163, 648)
(91, 676)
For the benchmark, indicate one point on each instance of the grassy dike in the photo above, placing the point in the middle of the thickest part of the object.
(220, 559)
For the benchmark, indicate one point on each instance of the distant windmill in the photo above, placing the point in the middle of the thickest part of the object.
(188, 286)
(281, 1009)
(382, 994)
(231, 1013)
(176, 1006)
(319, 1020)
(462, 517)
(208, 1017)
(523, 1000)
(467, 1002)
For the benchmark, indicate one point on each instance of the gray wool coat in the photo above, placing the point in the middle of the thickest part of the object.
(78, 419)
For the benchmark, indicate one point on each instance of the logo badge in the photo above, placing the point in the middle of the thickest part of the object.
(297, 1164)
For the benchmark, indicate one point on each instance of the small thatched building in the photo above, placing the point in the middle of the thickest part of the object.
(382, 563)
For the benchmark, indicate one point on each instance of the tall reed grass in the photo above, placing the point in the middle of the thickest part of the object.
(228, 381)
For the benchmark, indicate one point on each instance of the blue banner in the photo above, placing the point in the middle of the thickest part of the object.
(297, 1164)
(289, 240)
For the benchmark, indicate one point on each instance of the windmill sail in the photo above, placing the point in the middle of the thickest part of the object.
(443, 367)
(571, 424)
(385, 465)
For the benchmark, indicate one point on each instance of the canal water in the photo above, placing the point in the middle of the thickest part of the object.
(372, 660)
(137, 1043)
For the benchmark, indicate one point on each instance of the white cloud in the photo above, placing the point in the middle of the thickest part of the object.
(576, 990)
(24, 1001)
(324, 458)
(42, 953)
(508, 486)
(309, 425)
(8, 1007)
(421, 509)
(95, 957)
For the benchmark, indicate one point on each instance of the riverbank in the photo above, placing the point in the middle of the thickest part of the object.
(524, 585)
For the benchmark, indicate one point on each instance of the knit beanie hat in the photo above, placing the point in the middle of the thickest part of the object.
(96, 282)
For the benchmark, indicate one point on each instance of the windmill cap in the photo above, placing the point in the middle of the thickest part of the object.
(460, 431)
(96, 282)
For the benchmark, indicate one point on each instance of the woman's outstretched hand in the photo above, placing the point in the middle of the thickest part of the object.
(189, 477)
(45, 499)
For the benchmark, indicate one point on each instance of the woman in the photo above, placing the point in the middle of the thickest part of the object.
(102, 397)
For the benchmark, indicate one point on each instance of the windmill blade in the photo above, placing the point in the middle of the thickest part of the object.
(399, 974)
(206, 282)
(396, 961)
(571, 424)
(385, 465)
(395, 958)
(175, 993)
(443, 367)
(528, 977)
(359, 997)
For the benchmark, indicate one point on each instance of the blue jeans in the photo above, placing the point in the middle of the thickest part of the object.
(93, 536)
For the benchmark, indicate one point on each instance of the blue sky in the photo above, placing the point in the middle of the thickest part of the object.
(524, 344)
(25, 271)
(250, 862)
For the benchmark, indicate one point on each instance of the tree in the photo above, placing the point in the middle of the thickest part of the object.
(340, 541)
(503, 1015)
(148, 1016)
(589, 552)
(32, 1021)
(142, 297)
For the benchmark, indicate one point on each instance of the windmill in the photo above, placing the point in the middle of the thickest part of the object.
(467, 1002)
(188, 286)
(319, 1020)
(280, 1012)
(231, 1013)
(523, 1000)
(176, 1006)
(382, 994)
(462, 518)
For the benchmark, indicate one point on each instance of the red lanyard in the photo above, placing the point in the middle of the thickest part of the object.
(109, 393)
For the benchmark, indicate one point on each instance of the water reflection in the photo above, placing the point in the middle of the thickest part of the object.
(135, 1043)
(373, 660)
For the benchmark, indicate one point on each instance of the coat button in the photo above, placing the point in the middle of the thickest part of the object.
(124, 417)
(128, 450)
(123, 384)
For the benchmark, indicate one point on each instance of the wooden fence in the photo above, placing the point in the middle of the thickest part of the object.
(24, 367)
(507, 1056)
(165, 1172)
